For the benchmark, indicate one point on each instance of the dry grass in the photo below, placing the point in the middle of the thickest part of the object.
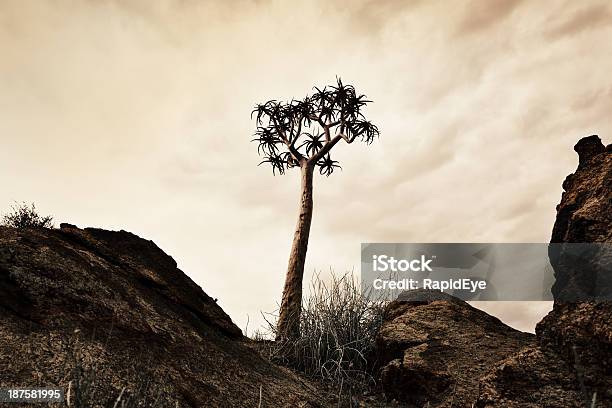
(338, 328)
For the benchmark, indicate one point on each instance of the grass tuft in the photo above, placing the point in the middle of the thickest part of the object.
(338, 328)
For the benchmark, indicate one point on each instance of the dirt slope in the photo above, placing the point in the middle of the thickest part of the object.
(123, 305)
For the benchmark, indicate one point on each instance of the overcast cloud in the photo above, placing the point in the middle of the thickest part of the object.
(136, 115)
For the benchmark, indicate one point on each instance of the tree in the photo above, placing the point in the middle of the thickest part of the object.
(301, 134)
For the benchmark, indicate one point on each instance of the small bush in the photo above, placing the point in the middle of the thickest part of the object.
(338, 328)
(24, 216)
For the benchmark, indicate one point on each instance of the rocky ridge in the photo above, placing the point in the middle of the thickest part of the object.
(112, 308)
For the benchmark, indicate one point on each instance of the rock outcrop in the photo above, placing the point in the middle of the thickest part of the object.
(92, 306)
(434, 352)
(437, 351)
(585, 216)
(571, 366)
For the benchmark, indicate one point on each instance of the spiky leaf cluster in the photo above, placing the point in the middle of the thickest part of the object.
(302, 132)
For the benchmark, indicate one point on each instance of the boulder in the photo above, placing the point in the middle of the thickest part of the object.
(433, 348)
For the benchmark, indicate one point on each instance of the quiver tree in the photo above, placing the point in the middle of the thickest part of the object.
(301, 134)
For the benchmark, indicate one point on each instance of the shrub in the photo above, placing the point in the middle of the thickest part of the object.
(338, 328)
(24, 216)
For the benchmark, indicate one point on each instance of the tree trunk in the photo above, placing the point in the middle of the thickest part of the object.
(291, 306)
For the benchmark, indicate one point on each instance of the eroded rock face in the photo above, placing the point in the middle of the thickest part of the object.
(585, 216)
(582, 332)
(434, 351)
(123, 305)
(572, 364)
(534, 377)
(441, 352)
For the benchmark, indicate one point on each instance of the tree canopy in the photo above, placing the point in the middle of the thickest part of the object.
(303, 132)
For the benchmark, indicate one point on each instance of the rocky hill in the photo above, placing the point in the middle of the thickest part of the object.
(82, 306)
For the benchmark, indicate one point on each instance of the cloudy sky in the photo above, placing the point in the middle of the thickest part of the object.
(136, 115)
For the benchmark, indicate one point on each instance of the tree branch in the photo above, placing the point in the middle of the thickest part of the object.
(294, 152)
(290, 145)
(328, 146)
(346, 138)
(327, 133)
(297, 133)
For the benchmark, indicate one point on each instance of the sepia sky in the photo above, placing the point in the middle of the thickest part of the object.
(135, 115)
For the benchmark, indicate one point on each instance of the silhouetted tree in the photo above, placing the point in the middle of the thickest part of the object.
(301, 134)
